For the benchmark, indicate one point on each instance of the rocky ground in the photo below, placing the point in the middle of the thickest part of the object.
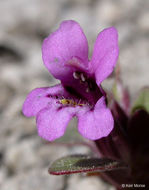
(24, 157)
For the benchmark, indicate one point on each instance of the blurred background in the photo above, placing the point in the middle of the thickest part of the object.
(25, 157)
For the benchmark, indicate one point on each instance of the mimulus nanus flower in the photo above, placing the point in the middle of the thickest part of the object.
(65, 54)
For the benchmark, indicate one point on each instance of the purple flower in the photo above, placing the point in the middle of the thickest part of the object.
(65, 54)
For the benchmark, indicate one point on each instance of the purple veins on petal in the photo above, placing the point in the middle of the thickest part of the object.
(39, 98)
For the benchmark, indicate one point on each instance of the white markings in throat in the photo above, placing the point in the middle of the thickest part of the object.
(83, 80)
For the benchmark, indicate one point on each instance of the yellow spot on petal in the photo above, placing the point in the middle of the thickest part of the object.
(69, 102)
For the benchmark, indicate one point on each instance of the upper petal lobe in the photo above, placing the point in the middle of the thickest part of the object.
(105, 54)
(62, 48)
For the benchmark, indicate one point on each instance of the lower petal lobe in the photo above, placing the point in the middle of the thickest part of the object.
(96, 123)
(52, 123)
(39, 98)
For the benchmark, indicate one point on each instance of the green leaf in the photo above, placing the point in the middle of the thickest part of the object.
(83, 163)
(142, 102)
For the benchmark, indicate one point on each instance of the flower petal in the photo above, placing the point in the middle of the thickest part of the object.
(97, 123)
(105, 54)
(52, 122)
(38, 98)
(66, 47)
